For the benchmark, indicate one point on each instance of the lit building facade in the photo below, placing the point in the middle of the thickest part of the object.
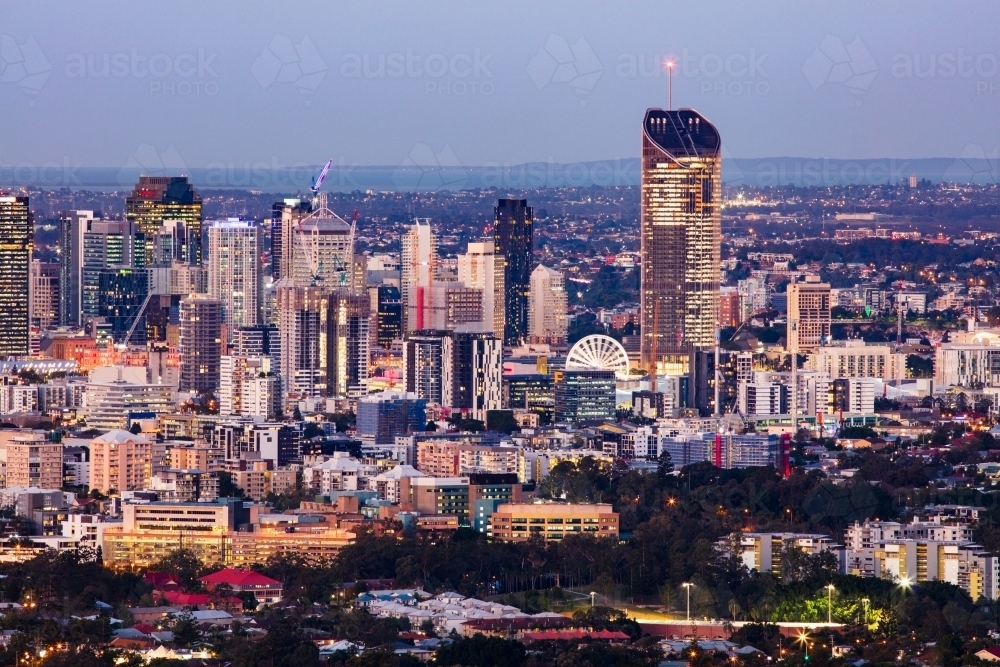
(418, 269)
(482, 269)
(157, 199)
(121, 461)
(234, 273)
(547, 314)
(349, 338)
(323, 251)
(808, 314)
(16, 238)
(302, 333)
(519, 522)
(200, 342)
(681, 236)
(513, 233)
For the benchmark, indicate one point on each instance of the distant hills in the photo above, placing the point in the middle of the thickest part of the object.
(976, 167)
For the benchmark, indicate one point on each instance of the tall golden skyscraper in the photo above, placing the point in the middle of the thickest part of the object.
(156, 199)
(681, 227)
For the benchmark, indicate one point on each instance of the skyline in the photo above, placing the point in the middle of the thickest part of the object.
(549, 84)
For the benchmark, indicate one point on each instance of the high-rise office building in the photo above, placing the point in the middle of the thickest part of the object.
(681, 236)
(302, 331)
(107, 245)
(418, 269)
(200, 344)
(323, 251)
(388, 309)
(460, 370)
(383, 416)
(72, 227)
(349, 338)
(423, 364)
(513, 221)
(547, 314)
(808, 314)
(158, 199)
(45, 294)
(172, 244)
(15, 275)
(120, 295)
(584, 395)
(472, 374)
(234, 275)
(481, 268)
(285, 217)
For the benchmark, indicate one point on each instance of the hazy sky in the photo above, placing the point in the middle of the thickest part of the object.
(203, 83)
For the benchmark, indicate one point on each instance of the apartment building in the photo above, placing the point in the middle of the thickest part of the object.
(518, 522)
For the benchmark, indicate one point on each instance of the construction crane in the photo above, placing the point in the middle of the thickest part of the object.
(138, 314)
(322, 177)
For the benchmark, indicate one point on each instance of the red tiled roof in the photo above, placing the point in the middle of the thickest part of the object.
(159, 580)
(235, 577)
(144, 628)
(574, 634)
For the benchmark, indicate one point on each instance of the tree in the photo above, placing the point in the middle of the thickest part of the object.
(501, 420)
(664, 466)
(481, 651)
(227, 487)
(183, 563)
(186, 631)
(136, 428)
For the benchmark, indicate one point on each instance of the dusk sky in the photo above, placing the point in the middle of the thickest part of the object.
(380, 83)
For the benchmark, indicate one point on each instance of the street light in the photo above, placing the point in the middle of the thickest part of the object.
(688, 587)
(829, 604)
(592, 594)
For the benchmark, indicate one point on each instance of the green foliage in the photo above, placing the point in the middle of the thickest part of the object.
(185, 565)
(186, 631)
(853, 432)
(481, 651)
(501, 420)
(227, 487)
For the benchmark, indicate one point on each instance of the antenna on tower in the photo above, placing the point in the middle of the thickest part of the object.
(670, 64)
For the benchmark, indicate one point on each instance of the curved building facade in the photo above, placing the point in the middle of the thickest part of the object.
(681, 237)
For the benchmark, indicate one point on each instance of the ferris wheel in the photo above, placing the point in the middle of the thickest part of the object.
(600, 352)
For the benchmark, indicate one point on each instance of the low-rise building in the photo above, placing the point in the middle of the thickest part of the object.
(518, 522)
(264, 588)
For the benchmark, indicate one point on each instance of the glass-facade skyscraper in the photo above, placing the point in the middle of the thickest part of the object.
(512, 232)
(681, 236)
(15, 275)
(121, 292)
(156, 199)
